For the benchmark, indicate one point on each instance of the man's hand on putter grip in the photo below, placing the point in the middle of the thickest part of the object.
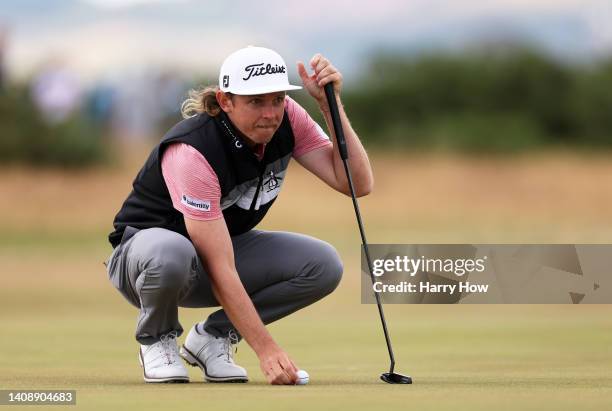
(278, 367)
(324, 72)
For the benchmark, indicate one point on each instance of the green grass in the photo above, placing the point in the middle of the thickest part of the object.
(67, 328)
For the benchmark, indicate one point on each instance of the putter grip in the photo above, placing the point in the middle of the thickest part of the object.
(335, 115)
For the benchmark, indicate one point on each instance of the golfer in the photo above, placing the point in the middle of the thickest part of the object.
(185, 236)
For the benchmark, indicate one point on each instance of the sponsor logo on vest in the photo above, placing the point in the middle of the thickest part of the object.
(273, 182)
(201, 205)
(255, 70)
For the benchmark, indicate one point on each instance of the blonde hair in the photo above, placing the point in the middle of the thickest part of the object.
(201, 100)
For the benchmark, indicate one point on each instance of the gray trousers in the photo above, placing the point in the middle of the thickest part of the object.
(158, 270)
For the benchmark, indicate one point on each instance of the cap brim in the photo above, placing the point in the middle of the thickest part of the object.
(262, 90)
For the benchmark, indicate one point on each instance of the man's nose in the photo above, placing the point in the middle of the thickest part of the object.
(268, 111)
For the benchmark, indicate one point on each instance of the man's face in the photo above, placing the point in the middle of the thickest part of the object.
(258, 116)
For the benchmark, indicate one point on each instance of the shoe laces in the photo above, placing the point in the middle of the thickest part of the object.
(168, 347)
(229, 343)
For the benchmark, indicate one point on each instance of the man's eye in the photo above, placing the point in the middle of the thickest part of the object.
(255, 101)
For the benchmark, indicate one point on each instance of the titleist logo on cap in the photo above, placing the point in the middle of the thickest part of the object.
(255, 70)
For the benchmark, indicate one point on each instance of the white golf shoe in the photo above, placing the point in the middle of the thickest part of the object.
(161, 361)
(214, 355)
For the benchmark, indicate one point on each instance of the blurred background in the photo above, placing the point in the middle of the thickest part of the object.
(508, 76)
(486, 122)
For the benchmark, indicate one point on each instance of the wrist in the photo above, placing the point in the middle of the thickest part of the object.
(324, 105)
(264, 347)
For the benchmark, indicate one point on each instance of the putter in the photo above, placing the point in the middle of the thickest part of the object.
(388, 377)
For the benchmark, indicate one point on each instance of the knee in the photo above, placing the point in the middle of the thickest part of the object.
(329, 269)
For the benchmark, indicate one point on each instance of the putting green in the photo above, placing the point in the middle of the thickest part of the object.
(65, 327)
(68, 329)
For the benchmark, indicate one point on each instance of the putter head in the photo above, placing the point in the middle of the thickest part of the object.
(394, 378)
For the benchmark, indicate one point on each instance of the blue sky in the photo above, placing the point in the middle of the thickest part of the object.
(107, 37)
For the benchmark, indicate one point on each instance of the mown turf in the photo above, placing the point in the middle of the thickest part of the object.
(65, 327)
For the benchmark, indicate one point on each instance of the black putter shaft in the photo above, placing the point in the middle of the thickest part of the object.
(341, 143)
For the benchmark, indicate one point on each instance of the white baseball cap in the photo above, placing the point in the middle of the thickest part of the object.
(254, 70)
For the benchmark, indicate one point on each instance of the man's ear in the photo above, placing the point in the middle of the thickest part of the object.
(225, 101)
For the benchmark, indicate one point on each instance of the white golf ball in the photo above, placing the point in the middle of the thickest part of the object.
(303, 378)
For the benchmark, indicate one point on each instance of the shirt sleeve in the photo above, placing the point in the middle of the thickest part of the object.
(307, 133)
(192, 183)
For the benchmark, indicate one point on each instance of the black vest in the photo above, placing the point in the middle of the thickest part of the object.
(248, 186)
